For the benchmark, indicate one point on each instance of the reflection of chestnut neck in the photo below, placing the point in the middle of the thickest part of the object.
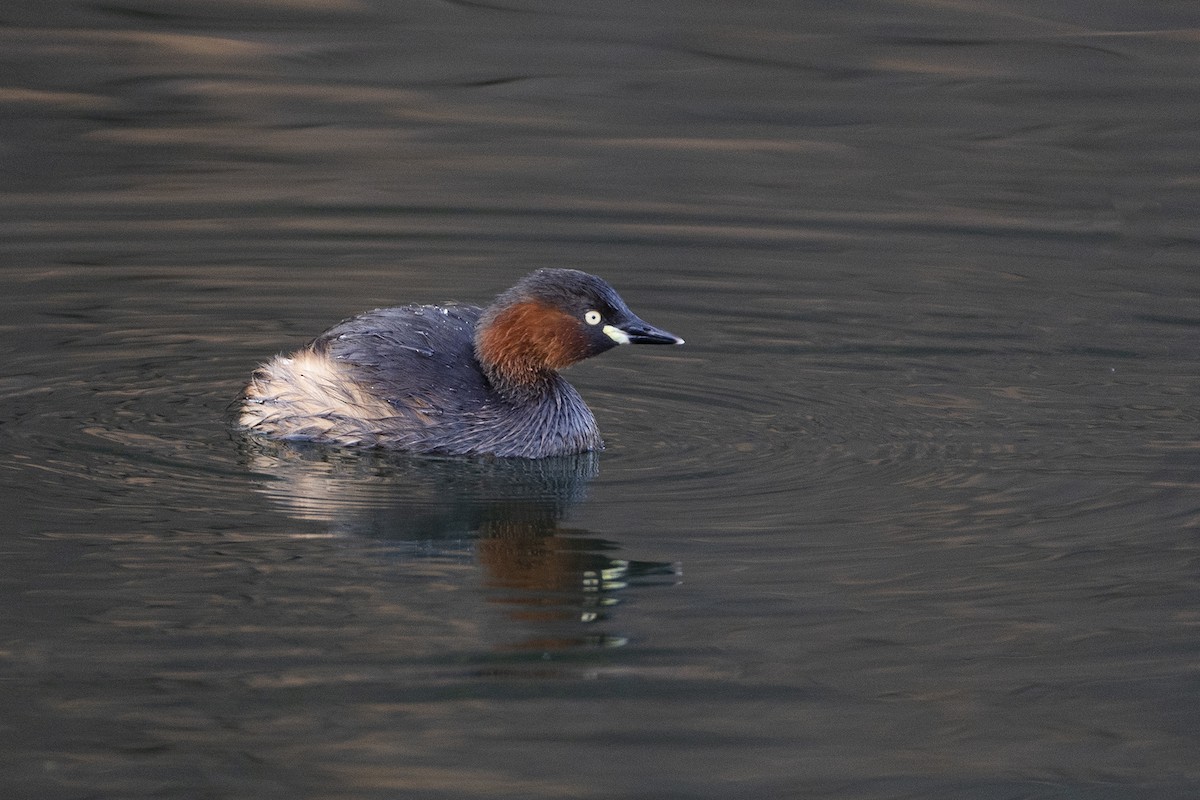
(531, 557)
(521, 346)
(554, 581)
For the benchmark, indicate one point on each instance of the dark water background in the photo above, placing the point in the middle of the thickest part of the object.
(914, 514)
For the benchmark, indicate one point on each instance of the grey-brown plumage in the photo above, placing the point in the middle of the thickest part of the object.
(454, 379)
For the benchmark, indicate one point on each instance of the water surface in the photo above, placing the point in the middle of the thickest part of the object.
(912, 514)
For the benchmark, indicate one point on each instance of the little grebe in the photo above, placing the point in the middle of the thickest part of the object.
(455, 379)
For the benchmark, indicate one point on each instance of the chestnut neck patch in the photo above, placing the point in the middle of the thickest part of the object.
(523, 344)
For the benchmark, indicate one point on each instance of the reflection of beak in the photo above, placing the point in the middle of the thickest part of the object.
(636, 331)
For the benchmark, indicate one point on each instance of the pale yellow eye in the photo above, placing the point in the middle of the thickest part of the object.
(592, 317)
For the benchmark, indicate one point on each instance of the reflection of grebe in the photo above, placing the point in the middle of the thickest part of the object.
(380, 494)
(505, 512)
(458, 380)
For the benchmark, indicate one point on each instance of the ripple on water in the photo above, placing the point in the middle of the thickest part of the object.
(951, 439)
(133, 438)
(736, 428)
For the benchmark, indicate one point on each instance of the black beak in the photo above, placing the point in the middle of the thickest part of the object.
(640, 332)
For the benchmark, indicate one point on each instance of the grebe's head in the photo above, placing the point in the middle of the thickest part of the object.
(551, 319)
